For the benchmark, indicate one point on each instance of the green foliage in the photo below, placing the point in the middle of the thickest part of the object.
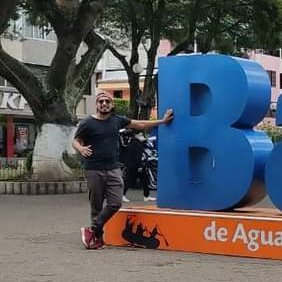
(121, 106)
(13, 170)
(7, 174)
(73, 161)
(274, 132)
(227, 26)
(221, 25)
(28, 162)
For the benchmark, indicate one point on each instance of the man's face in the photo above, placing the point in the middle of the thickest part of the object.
(104, 105)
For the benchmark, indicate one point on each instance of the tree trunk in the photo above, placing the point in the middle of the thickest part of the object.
(54, 98)
(134, 96)
(149, 90)
(51, 142)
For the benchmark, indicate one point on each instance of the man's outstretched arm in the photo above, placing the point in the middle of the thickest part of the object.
(145, 124)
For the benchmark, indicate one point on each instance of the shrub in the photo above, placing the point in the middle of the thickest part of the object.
(121, 106)
(28, 162)
(274, 132)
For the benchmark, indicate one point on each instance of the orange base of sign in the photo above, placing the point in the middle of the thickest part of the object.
(244, 232)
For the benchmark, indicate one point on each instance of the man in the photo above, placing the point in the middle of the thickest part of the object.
(96, 139)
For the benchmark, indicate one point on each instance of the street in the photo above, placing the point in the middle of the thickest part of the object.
(40, 242)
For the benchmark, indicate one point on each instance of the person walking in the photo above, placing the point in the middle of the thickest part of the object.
(97, 141)
(133, 163)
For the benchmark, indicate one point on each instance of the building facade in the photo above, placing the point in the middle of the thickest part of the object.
(113, 78)
(273, 66)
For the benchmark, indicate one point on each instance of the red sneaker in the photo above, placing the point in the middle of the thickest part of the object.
(98, 244)
(87, 237)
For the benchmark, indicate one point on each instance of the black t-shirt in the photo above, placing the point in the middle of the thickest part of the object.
(103, 136)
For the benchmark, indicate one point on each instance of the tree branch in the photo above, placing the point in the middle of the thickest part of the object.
(27, 84)
(7, 7)
(75, 23)
(120, 57)
(80, 75)
(86, 16)
(182, 46)
(179, 48)
(54, 15)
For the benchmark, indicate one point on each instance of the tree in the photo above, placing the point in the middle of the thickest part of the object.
(142, 23)
(54, 98)
(226, 26)
(222, 25)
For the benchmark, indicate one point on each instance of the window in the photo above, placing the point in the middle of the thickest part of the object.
(23, 27)
(87, 90)
(8, 84)
(28, 31)
(98, 76)
(272, 77)
(38, 32)
(4, 82)
(118, 94)
(24, 138)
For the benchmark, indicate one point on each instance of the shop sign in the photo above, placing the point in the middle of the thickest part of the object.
(10, 100)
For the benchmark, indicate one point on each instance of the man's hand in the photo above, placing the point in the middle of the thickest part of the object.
(85, 151)
(168, 116)
(143, 124)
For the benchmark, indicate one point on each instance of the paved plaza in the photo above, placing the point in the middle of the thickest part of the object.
(40, 242)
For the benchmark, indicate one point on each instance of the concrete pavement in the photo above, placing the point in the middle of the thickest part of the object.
(40, 242)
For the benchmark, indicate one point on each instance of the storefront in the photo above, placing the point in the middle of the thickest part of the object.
(17, 125)
(17, 129)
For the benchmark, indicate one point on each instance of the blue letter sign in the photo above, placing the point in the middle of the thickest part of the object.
(210, 157)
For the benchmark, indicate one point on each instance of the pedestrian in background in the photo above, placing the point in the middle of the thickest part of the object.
(133, 164)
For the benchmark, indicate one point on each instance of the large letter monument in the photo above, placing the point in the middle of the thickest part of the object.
(213, 164)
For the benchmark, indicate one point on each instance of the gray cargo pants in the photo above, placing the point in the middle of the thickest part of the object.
(104, 185)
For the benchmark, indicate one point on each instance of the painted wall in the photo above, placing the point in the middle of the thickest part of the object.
(270, 63)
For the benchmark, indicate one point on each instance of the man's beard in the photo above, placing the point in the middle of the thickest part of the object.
(105, 112)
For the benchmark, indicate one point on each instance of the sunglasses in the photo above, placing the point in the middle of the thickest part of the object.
(107, 101)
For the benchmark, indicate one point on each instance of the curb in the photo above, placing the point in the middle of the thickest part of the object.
(42, 188)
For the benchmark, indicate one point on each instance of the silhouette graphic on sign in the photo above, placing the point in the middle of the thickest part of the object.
(142, 236)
